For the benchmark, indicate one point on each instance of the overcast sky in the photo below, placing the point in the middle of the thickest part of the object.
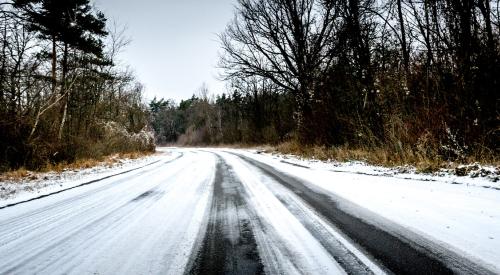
(174, 45)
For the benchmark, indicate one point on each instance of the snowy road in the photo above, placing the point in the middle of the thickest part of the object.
(213, 212)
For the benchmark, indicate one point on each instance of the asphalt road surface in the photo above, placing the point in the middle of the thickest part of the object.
(211, 212)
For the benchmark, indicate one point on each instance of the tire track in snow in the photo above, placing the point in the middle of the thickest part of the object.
(229, 245)
(105, 215)
(92, 226)
(325, 234)
(399, 255)
(19, 226)
(109, 221)
(285, 245)
(322, 232)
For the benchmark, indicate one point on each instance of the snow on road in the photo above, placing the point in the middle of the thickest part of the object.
(146, 222)
(464, 217)
(15, 191)
(283, 235)
(213, 210)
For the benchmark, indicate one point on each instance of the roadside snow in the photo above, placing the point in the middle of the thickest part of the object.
(462, 213)
(470, 175)
(45, 183)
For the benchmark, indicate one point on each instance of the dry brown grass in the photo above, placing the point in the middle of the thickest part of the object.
(85, 163)
(76, 165)
(134, 155)
(387, 157)
(15, 174)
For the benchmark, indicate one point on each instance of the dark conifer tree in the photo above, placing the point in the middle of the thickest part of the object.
(72, 23)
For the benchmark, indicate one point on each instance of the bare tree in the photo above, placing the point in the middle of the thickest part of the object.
(288, 42)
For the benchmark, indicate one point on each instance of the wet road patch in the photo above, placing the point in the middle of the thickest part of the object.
(229, 245)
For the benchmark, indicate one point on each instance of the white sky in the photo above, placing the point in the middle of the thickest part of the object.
(174, 45)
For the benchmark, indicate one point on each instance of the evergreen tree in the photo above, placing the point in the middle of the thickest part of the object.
(71, 22)
(74, 24)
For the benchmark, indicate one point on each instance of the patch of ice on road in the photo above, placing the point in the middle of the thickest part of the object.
(46, 183)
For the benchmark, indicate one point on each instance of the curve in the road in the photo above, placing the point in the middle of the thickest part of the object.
(399, 255)
(211, 212)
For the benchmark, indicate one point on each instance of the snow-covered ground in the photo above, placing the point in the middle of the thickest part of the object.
(462, 213)
(473, 174)
(156, 215)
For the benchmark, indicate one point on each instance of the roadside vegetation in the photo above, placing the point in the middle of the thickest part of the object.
(389, 82)
(64, 97)
(109, 161)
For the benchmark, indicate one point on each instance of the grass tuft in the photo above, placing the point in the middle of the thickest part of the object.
(15, 174)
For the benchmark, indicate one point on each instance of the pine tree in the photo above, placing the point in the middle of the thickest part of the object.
(72, 23)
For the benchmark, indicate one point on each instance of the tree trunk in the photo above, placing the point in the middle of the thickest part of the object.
(3, 71)
(63, 91)
(221, 134)
(63, 120)
(54, 65)
(64, 68)
(484, 6)
(404, 47)
(304, 117)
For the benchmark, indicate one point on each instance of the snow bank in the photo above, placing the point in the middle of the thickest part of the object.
(471, 175)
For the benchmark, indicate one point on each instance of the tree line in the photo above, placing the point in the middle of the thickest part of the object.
(412, 77)
(62, 93)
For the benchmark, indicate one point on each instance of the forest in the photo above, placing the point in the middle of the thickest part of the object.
(389, 81)
(63, 94)
(393, 81)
